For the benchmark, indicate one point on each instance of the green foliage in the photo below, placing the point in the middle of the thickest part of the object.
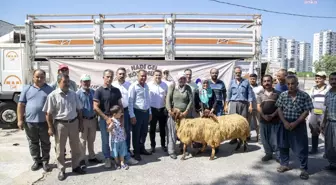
(304, 74)
(327, 64)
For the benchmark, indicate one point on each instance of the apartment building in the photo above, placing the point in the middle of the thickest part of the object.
(293, 54)
(277, 51)
(324, 43)
(305, 60)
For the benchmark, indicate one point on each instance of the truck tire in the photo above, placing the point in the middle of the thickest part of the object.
(8, 116)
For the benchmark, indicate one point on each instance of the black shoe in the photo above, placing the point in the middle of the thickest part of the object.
(36, 166)
(313, 151)
(61, 176)
(144, 152)
(137, 157)
(330, 168)
(173, 156)
(266, 158)
(95, 160)
(164, 149)
(82, 164)
(153, 150)
(46, 167)
(79, 170)
(233, 141)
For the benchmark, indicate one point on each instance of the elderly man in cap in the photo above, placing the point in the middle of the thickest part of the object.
(166, 79)
(317, 94)
(64, 69)
(85, 94)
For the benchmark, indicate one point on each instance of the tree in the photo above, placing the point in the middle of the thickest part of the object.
(327, 63)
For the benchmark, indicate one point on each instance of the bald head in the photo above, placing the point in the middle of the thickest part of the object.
(281, 76)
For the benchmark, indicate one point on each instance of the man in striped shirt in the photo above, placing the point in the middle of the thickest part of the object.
(317, 94)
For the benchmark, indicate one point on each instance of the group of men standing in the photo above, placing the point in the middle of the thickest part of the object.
(63, 111)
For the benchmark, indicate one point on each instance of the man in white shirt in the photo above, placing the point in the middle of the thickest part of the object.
(157, 93)
(140, 113)
(253, 117)
(123, 86)
(167, 78)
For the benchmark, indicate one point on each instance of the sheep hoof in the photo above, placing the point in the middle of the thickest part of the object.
(182, 158)
(212, 158)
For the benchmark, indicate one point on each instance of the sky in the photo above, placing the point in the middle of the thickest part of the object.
(290, 27)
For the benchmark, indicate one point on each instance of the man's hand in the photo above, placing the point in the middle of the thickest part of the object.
(250, 109)
(108, 120)
(267, 117)
(133, 121)
(293, 125)
(80, 127)
(184, 114)
(50, 132)
(287, 125)
(226, 109)
(171, 113)
(212, 111)
(150, 117)
(20, 125)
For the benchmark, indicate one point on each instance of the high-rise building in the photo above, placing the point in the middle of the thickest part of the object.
(293, 54)
(305, 57)
(277, 50)
(324, 43)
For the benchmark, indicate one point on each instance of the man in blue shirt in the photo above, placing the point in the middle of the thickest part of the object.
(240, 96)
(218, 87)
(85, 94)
(140, 113)
(31, 102)
(281, 86)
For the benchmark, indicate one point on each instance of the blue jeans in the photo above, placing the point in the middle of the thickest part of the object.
(219, 108)
(105, 138)
(140, 130)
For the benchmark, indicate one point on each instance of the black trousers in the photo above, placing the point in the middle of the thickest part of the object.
(38, 133)
(158, 115)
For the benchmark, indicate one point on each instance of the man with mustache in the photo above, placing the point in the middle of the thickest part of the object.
(269, 120)
(64, 117)
(328, 126)
(317, 93)
(293, 108)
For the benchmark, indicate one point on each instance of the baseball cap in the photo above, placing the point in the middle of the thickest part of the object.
(85, 77)
(292, 70)
(63, 66)
(321, 73)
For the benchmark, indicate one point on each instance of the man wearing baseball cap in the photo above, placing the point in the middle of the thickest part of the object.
(64, 69)
(317, 94)
(88, 136)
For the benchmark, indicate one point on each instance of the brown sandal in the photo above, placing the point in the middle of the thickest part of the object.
(283, 169)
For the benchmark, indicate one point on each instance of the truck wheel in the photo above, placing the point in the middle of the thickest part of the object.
(8, 116)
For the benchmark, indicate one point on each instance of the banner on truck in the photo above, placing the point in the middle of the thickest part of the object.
(95, 68)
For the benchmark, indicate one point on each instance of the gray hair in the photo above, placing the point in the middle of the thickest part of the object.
(62, 76)
(109, 71)
(39, 70)
(284, 71)
(292, 77)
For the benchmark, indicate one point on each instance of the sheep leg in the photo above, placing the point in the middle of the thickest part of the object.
(213, 151)
(238, 145)
(184, 152)
(245, 146)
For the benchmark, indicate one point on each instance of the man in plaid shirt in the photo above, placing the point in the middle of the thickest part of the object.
(293, 108)
(329, 123)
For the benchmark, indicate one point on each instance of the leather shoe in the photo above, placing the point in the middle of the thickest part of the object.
(46, 167)
(173, 156)
(95, 160)
(153, 150)
(61, 176)
(36, 166)
(79, 170)
(82, 164)
(144, 152)
(137, 157)
(164, 149)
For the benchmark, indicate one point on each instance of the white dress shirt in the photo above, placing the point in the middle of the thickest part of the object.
(138, 98)
(157, 94)
(124, 91)
(169, 83)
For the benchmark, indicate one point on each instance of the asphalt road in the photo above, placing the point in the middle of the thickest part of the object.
(227, 168)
